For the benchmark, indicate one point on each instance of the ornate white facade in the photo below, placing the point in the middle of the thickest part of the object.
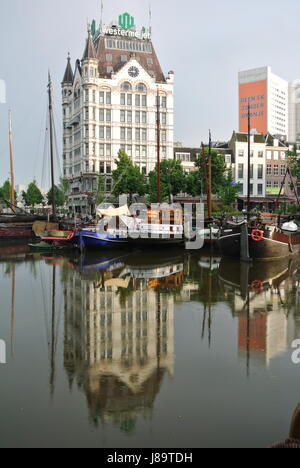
(109, 103)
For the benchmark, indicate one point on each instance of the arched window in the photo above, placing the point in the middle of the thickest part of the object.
(141, 88)
(126, 86)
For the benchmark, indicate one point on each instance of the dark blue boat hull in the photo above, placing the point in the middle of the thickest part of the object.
(94, 239)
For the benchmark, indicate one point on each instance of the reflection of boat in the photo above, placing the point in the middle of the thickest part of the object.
(210, 263)
(258, 276)
(44, 247)
(9, 249)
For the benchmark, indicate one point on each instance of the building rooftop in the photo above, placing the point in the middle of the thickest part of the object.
(113, 54)
(243, 137)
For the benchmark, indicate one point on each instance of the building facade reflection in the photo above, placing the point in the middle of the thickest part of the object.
(265, 299)
(119, 335)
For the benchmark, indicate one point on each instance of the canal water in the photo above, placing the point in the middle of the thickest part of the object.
(146, 349)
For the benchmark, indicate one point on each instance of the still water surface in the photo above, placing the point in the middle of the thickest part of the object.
(155, 349)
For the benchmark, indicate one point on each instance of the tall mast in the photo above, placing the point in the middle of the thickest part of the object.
(249, 164)
(12, 176)
(158, 147)
(51, 147)
(209, 185)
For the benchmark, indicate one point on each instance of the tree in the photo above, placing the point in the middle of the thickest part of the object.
(196, 181)
(64, 187)
(59, 196)
(33, 196)
(5, 191)
(100, 192)
(172, 180)
(228, 191)
(127, 178)
(294, 163)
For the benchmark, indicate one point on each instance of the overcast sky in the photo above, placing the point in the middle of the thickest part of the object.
(206, 43)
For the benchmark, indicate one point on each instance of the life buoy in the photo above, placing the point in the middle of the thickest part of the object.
(257, 286)
(257, 235)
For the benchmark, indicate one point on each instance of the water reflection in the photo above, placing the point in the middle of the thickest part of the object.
(111, 318)
(264, 296)
(119, 332)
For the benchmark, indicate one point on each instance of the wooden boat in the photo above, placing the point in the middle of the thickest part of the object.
(267, 239)
(16, 231)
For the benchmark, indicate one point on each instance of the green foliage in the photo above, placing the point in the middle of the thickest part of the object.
(194, 183)
(218, 169)
(287, 208)
(127, 178)
(294, 163)
(33, 196)
(59, 196)
(64, 187)
(100, 192)
(228, 191)
(172, 178)
(5, 191)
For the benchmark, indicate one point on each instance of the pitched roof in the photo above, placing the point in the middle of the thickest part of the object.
(69, 75)
(114, 59)
(89, 52)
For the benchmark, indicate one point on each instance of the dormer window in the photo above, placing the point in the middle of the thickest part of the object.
(141, 88)
(126, 86)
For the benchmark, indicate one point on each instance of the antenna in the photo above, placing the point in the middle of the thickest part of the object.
(150, 18)
(101, 17)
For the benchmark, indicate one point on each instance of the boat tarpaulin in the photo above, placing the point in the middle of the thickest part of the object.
(110, 212)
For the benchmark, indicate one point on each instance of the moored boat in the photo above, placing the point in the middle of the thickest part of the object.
(91, 237)
(267, 238)
(16, 231)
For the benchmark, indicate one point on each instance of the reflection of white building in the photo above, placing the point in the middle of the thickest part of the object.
(119, 341)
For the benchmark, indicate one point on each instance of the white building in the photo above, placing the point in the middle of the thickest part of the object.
(239, 145)
(268, 95)
(109, 103)
(294, 112)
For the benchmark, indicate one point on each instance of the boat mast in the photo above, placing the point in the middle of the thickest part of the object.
(209, 188)
(51, 146)
(249, 164)
(158, 147)
(12, 176)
